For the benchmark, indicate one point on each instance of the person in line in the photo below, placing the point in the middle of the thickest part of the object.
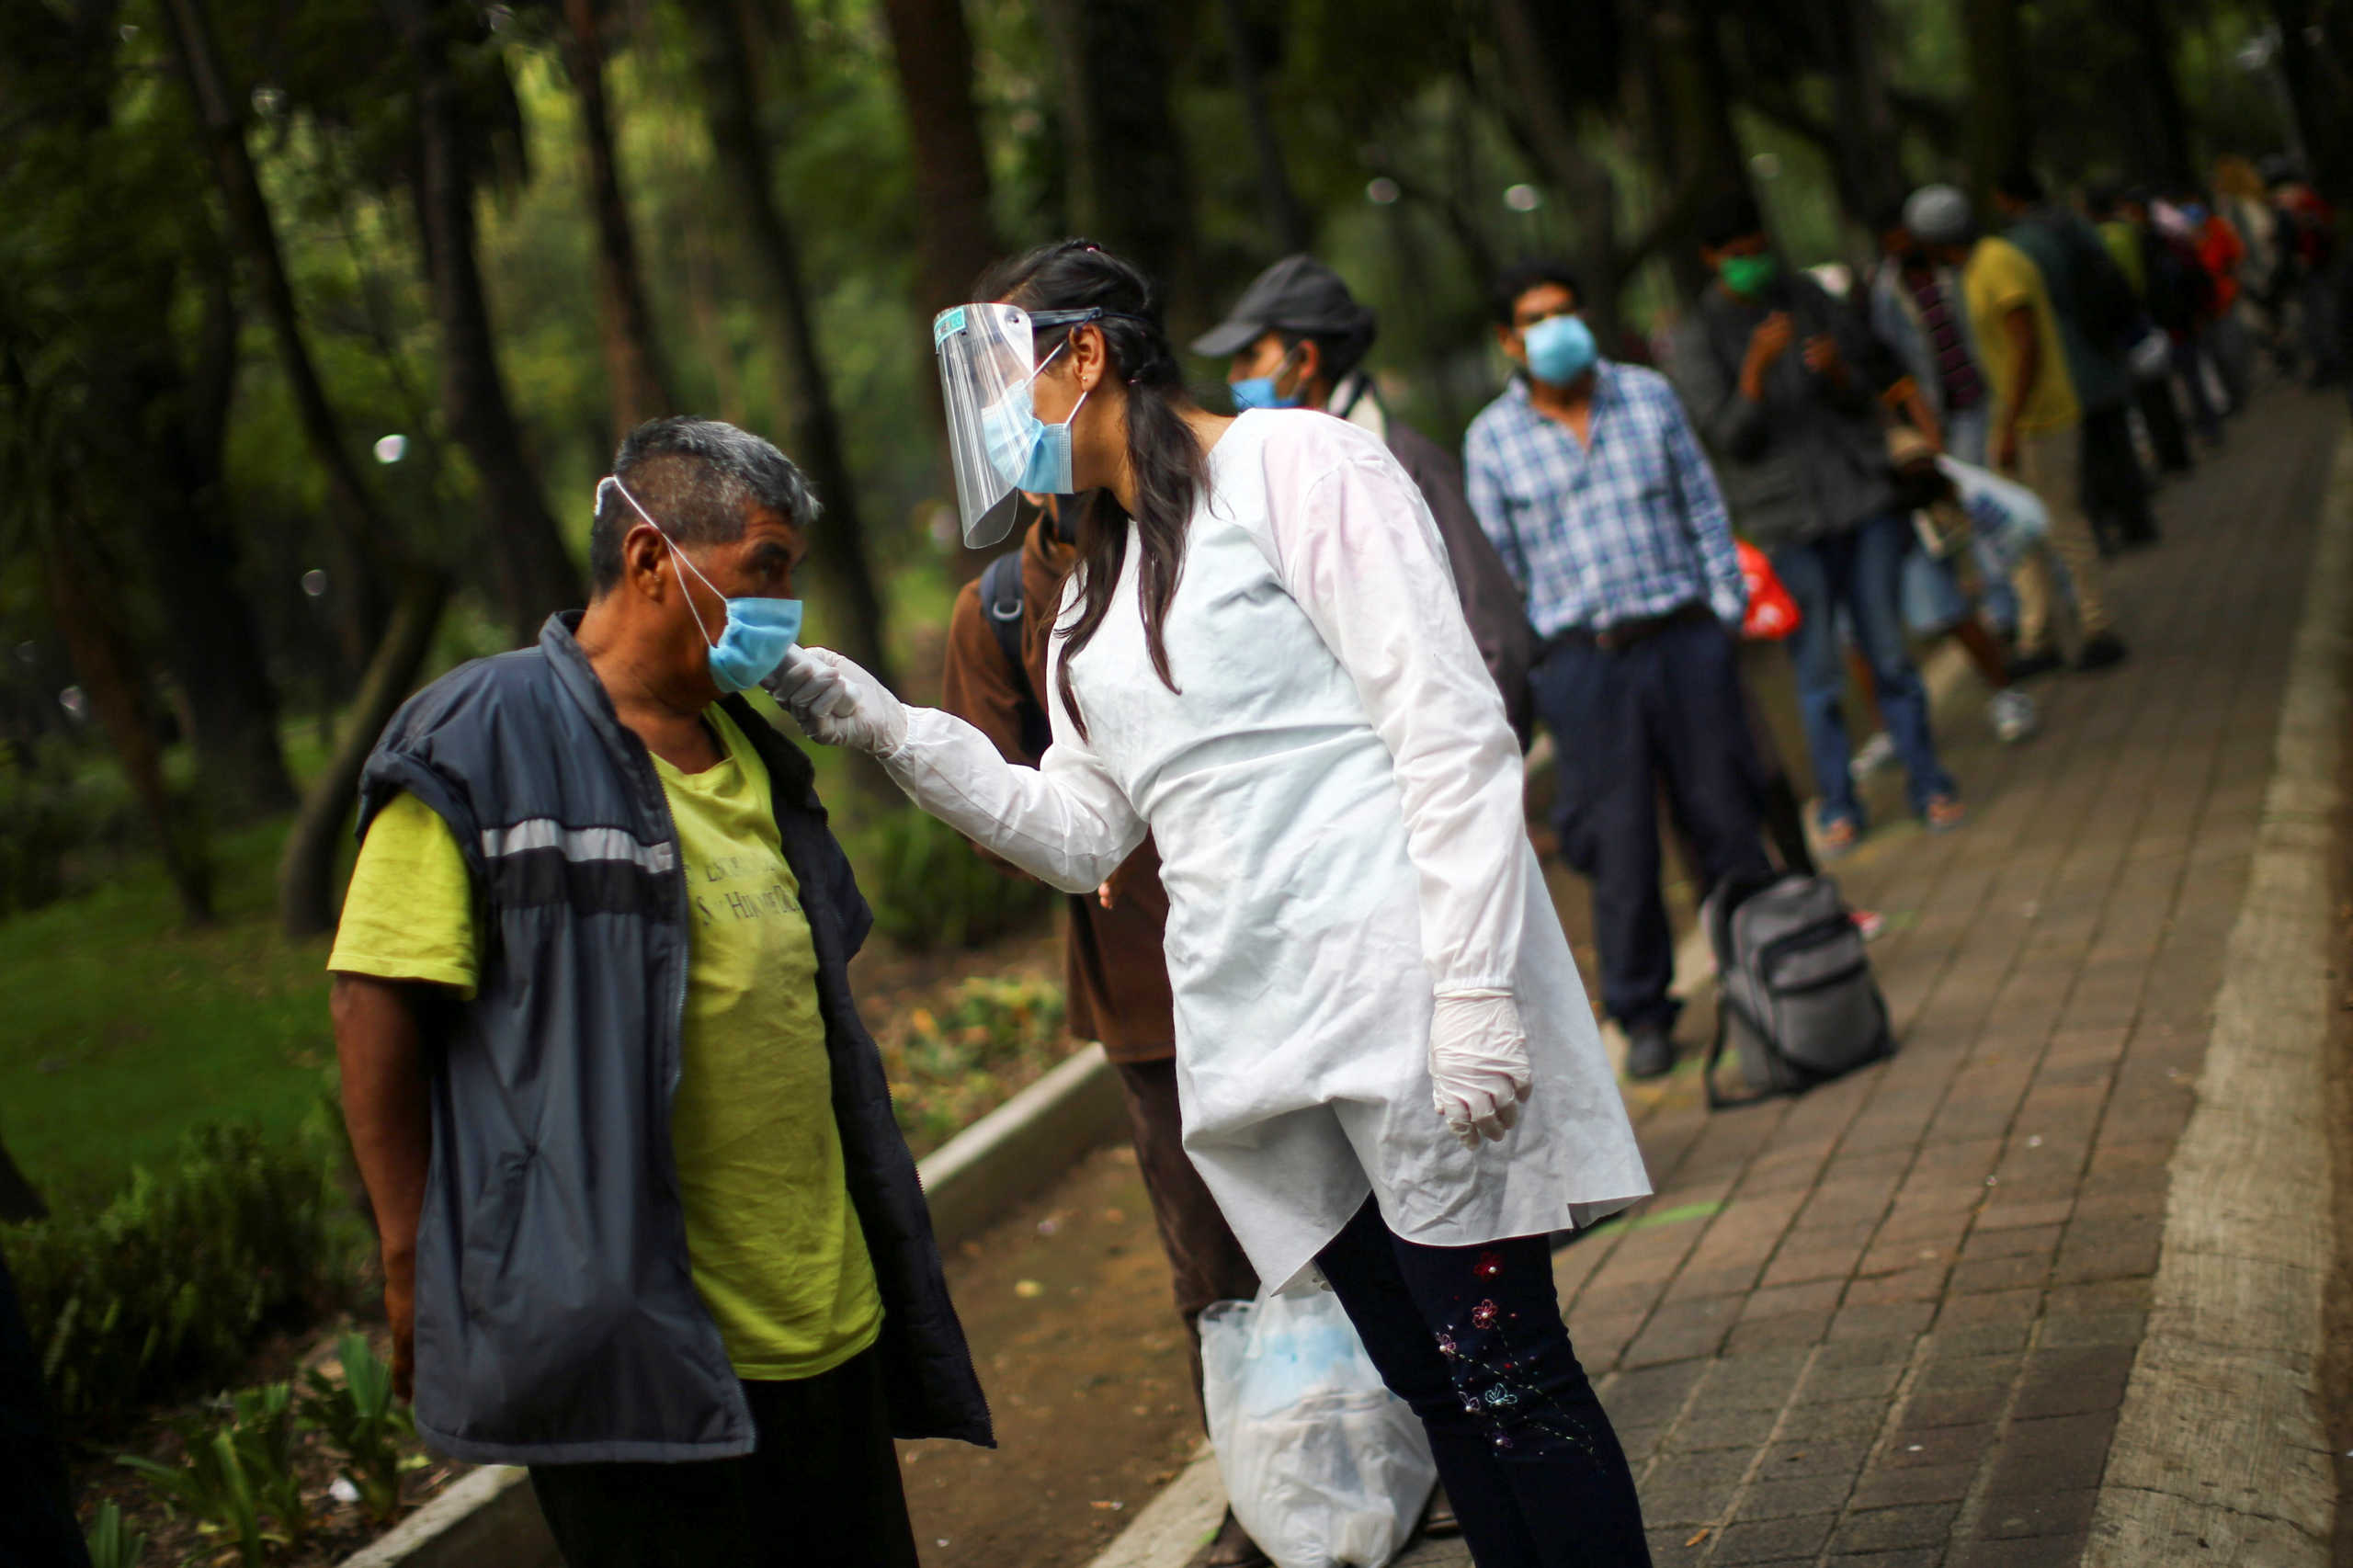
(2224, 253)
(1115, 978)
(1784, 386)
(648, 1226)
(2037, 439)
(2096, 315)
(1588, 479)
(1297, 338)
(1388, 1071)
(1917, 315)
(2124, 229)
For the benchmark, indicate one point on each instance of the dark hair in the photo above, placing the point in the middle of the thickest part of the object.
(1886, 216)
(1338, 353)
(2019, 183)
(1733, 215)
(1531, 272)
(1170, 468)
(699, 480)
(2103, 197)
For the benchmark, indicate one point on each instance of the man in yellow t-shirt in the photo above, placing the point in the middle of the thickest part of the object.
(648, 1227)
(2036, 438)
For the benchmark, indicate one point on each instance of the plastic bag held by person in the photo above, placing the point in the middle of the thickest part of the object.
(1323, 1466)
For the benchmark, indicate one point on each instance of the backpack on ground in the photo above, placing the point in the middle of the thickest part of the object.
(1796, 1000)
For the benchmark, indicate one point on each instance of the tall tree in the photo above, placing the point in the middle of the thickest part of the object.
(933, 51)
(2000, 125)
(1529, 39)
(636, 373)
(740, 149)
(1286, 220)
(536, 575)
(360, 525)
(1128, 185)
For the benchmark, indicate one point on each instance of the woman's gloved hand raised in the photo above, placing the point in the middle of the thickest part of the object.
(1479, 1070)
(836, 703)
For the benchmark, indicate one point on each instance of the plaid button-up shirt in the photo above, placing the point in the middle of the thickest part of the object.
(1627, 527)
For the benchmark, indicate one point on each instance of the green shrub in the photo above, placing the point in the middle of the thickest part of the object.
(170, 1286)
(112, 1543)
(955, 1067)
(930, 889)
(363, 1424)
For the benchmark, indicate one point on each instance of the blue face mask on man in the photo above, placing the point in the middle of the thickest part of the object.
(1026, 452)
(1560, 350)
(759, 633)
(1259, 392)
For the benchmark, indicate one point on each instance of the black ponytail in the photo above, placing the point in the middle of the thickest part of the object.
(1171, 470)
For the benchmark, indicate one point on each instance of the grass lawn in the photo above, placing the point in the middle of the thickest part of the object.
(124, 1028)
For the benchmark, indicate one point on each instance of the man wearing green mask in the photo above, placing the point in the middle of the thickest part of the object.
(1785, 385)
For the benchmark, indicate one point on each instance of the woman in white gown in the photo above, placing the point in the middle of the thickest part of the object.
(1387, 1065)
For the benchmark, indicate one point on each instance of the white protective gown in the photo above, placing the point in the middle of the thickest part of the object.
(1336, 798)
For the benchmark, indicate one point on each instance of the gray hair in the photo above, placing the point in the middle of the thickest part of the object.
(1939, 215)
(699, 478)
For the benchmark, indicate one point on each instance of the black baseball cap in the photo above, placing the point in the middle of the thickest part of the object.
(1298, 294)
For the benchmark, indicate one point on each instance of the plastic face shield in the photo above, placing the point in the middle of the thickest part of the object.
(987, 363)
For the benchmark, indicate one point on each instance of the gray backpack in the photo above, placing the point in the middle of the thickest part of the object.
(1797, 1002)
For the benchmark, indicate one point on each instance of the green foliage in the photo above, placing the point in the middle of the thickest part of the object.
(363, 1423)
(954, 1067)
(170, 1285)
(211, 1486)
(111, 1543)
(930, 890)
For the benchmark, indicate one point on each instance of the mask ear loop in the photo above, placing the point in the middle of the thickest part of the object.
(677, 555)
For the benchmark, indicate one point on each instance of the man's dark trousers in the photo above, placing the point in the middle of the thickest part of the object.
(821, 1490)
(1664, 710)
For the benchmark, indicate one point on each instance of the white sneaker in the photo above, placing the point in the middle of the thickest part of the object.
(2013, 716)
(1871, 756)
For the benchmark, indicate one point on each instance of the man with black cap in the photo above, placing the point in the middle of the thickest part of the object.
(1297, 339)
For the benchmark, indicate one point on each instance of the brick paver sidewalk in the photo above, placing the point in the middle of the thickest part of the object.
(1891, 1323)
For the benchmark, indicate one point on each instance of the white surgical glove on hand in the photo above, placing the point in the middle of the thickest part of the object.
(836, 703)
(1479, 1070)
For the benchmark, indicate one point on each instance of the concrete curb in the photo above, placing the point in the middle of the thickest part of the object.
(1176, 1524)
(490, 1519)
(2219, 1455)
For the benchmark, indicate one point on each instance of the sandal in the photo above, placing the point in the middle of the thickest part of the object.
(1944, 813)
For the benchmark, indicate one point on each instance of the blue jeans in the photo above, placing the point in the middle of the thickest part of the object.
(1472, 1338)
(1859, 571)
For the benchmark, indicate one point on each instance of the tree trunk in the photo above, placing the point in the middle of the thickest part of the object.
(853, 618)
(2316, 64)
(360, 525)
(1128, 188)
(957, 239)
(306, 902)
(636, 374)
(2163, 124)
(1536, 80)
(1286, 220)
(1868, 152)
(1999, 131)
(535, 574)
(104, 665)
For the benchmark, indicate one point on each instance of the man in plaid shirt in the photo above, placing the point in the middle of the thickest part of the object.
(1588, 479)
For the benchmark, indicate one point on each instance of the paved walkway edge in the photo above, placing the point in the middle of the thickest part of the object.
(2220, 1454)
(1176, 1524)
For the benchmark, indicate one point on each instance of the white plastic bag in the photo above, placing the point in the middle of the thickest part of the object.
(1325, 1467)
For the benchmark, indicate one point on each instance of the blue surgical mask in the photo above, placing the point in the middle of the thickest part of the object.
(758, 633)
(1026, 452)
(1259, 392)
(1560, 350)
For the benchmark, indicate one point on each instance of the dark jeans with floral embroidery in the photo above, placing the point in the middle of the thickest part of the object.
(1472, 1338)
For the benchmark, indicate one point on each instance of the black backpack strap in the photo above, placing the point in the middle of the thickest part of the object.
(1001, 608)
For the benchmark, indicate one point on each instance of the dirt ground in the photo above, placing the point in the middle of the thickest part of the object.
(1067, 1305)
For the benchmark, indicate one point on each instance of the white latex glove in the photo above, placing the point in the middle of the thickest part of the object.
(836, 703)
(1479, 1070)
